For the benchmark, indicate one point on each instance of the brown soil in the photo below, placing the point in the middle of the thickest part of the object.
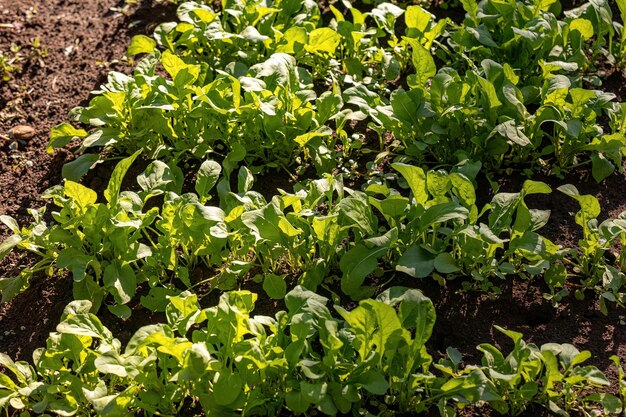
(85, 39)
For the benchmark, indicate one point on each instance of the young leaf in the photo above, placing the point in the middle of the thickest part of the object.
(141, 44)
(374, 382)
(275, 286)
(589, 205)
(226, 387)
(155, 179)
(8, 244)
(62, 134)
(121, 281)
(417, 18)
(471, 7)
(416, 178)
(445, 264)
(417, 262)
(207, 177)
(80, 194)
(323, 41)
(423, 62)
(115, 183)
(245, 179)
(80, 166)
(601, 167)
(357, 264)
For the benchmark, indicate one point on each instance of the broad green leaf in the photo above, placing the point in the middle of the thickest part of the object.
(357, 264)
(503, 207)
(529, 241)
(275, 286)
(536, 187)
(471, 388)
(156, 299)
(141, 44)
(121, 281)
(245, 179)
(250, 33)
(141, 335)
(442, 213)
(305, 138)
(328, 105)
(544, 5)
(297, 402)
(423, 62)
(374, 382)
(115, 183)
(10, 287)
(513, 133)
(445, 264)
(155, 178)
(11, 223)
(80, 194)
(8, 244)
(356, 211)
(416, 178)
(74, 170)
(227, 386)
(175, 65)
(89, 289)
(438, 182)
(404, 107)
(314, 392)
(416, 311)
(63, 134)
(264, 223)
(490, 94)
(197, 361)
(280, 67)
(584, 26)
(84, 325)
(471, 7)
(207, 177)
(376, 327)
(601, 167)
(394, 206)
(120, 310)
(110, 362)
(301, 299)
(589, 205)
(76, 261)
(417, 18)
(610, 403)
(463, 188)
(417, 262)
(181, 307)
(291, 38)
(621, 4)
(323, 41)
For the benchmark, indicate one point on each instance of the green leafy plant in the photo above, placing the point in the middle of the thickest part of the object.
(223, 361)
(551, 375)
(590, 258)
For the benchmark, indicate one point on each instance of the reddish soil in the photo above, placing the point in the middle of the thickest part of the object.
(85, 39)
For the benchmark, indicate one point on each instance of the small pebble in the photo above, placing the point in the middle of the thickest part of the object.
(22, 132)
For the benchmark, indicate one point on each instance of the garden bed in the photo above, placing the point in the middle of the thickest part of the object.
(81, 41)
